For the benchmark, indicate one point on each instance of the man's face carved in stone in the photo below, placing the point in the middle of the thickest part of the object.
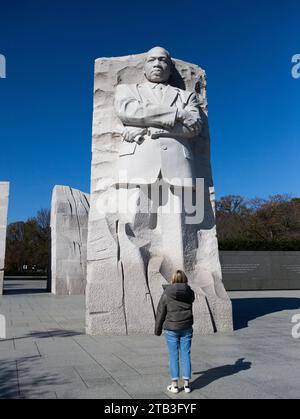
(158, 65)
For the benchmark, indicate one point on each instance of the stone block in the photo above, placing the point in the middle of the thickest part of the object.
(4, 196)
(69, 222)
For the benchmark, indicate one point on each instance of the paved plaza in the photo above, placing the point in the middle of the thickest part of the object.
(47, 354)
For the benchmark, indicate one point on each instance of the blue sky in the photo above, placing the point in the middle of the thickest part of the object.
(245, 47)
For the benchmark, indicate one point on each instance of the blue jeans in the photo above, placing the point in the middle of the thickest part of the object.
(179, 341)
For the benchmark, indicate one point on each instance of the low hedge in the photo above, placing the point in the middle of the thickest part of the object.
(244, 245)
(25, 273)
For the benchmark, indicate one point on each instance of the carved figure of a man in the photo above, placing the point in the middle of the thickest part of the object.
(159, 122)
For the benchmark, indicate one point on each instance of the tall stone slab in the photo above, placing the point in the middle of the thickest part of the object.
(124, 277)
(69, 224)
(4, 195)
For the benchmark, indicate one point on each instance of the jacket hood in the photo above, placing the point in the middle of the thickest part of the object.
(179, 292)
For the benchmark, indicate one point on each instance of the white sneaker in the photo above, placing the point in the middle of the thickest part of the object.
(173, 389)
(187, 389)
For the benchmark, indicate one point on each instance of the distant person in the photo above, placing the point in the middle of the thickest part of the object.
(175, 316)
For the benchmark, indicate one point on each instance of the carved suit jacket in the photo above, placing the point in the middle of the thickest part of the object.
(162, 145)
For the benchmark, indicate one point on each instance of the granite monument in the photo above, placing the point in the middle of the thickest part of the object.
(152, 195)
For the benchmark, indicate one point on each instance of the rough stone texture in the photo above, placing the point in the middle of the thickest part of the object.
(122, 294)
(69, 223)
(4, 195)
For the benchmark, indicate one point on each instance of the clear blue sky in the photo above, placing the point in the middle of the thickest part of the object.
(46, 100)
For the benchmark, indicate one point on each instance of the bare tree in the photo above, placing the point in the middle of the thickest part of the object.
(267, 222)
(43, 218)
(28, 243)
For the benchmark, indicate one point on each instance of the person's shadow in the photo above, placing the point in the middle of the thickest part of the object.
(215, 374)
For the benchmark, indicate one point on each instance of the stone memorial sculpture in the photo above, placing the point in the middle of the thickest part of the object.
(4, 196)
(69, 224)
(152, 195)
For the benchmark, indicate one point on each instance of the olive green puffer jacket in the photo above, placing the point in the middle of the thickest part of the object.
(174, 311)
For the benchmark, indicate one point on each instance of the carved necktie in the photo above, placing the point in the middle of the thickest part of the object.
(159, 90)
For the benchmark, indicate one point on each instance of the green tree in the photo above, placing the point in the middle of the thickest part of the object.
(28, 244)
(259, 224)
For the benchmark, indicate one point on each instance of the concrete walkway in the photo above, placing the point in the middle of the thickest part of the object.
(47, 354)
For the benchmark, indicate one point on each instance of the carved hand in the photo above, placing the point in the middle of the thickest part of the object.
(158, 133)
(131, 134)
(189, 120)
